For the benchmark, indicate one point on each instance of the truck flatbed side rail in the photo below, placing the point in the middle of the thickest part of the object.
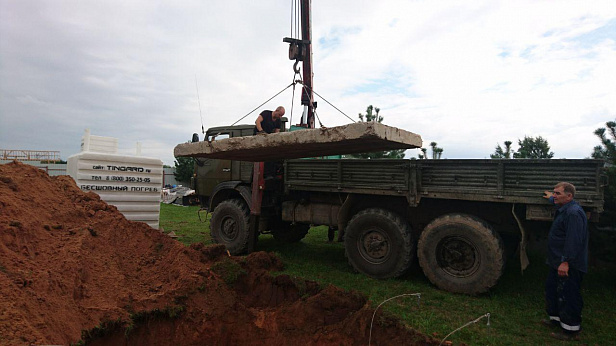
(511, 181)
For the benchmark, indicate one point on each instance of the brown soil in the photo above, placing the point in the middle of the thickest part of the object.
(73, 268)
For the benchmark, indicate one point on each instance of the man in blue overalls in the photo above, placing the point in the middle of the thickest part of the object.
(568, 261)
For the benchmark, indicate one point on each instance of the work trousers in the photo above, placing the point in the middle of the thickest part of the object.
(563, 299)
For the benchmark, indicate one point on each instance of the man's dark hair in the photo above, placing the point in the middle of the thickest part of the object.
(567, 187)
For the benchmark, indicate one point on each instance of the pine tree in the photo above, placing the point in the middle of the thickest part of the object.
(607, 149)
(607, 152)
(533, 148)
(499, 153)
(372, 114)
(436, 152)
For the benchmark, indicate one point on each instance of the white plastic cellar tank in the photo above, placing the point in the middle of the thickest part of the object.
(132, 184)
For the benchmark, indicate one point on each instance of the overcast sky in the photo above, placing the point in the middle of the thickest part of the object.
(467, 75)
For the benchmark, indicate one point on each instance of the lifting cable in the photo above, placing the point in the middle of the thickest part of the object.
(295, 18)
(292, 101)
(294, 81)
(307, 91)
(271, 98)
(292, 10)
(295, 29)
(314, 110)
(305, 88)
(329, 103)
(336, 108)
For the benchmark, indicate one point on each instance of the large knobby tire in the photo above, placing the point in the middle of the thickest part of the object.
(379, 243)
(230, 226)
(461, 253)
(290, 233)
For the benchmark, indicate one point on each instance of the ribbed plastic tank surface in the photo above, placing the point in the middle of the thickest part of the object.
(133, 184)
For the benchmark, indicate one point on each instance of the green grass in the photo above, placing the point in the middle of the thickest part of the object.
(228, 270)
(515, 305)
(184, 221)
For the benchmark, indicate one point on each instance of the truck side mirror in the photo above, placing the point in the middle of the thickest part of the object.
(195, 137)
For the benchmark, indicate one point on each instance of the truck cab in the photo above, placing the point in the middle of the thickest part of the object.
(210, 173)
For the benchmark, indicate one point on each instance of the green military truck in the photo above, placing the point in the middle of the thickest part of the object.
(459, 217)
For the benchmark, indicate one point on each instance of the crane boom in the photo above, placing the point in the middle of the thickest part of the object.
(301, 50)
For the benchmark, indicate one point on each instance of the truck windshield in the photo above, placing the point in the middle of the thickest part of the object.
(218, 137)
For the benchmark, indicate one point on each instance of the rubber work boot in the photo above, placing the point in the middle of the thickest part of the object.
(550, 323)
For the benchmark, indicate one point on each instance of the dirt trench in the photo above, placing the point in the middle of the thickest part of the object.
(73, 269)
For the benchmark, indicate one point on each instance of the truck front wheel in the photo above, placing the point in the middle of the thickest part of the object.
(461, 253)
(379, 244)
(230, 226)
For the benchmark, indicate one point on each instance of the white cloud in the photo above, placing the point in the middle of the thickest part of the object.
(466, 75)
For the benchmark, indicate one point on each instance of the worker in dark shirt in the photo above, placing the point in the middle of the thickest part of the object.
(568, 262)
(269, 122)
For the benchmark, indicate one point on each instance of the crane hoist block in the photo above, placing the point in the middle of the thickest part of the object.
(353, 138)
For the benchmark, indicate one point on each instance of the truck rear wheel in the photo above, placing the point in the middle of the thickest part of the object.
(379, 243)
(230, 226)
(461, 253)
(290, 233)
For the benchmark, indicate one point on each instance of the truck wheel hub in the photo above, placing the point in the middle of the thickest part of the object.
(229, 229)
(457, 256)
(374, 247)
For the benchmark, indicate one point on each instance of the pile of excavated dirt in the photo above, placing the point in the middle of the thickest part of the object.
(73, 268)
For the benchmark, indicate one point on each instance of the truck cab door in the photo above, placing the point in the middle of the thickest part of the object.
(211, 172)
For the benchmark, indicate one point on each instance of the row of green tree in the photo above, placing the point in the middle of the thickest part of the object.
(538, 147)
(529, 148)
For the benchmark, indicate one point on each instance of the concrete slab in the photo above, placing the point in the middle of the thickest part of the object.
(353, 138)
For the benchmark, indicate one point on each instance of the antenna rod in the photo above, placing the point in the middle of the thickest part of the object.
(202, 127)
